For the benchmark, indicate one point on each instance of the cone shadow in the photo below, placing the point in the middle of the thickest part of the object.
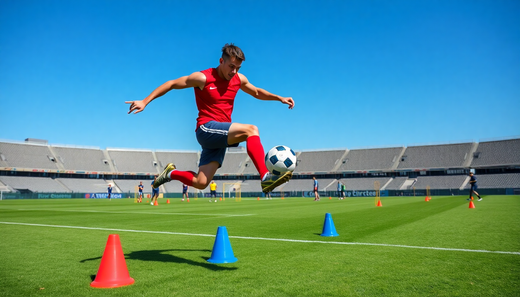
(166, 257)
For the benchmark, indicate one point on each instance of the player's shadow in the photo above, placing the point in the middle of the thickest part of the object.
(163, 256)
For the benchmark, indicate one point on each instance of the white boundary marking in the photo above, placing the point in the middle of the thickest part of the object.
(269, 239)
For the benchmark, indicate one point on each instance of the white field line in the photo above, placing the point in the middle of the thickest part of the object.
(270, 239)
(138, 212)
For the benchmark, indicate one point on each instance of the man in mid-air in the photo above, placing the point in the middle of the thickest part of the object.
(215, 91)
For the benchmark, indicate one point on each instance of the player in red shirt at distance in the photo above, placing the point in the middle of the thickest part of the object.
(215, 91)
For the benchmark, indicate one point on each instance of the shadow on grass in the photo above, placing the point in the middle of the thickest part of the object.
(162, 256)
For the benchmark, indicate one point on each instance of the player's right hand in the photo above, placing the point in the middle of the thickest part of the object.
(136, 106)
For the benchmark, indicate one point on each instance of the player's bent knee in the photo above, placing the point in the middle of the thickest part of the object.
(253, 130)
(200, 185)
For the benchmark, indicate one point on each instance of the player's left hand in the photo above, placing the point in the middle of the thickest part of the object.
(136, 106)
(289, 101)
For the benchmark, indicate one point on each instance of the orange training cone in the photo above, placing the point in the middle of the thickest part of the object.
(168, 201)
(330, 197)
(156, 203)
(187, 199)
(471, 205)
(379, 203)
(426, 199)
(257, 198)
(112, 271)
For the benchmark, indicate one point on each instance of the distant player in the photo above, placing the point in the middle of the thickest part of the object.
(109, 192)
(141, 187)
(155, 192)
(213, 190)
(473, 185)
(316, 194)
(268, 195)
(341, 190)
(215, 91)
(184, 192)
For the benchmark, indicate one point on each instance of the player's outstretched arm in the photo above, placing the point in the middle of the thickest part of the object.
(196, 79)
(262, 94)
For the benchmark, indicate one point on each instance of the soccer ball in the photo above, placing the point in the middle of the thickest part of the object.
(280, 159)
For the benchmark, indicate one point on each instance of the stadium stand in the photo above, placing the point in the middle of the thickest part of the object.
(318, 161)
(371, 159)
(34, 184)
(81, 159)
(435, 156)
(496, 153)
(26, 155)
(129, 185)
(182, 160)
(307, 185)
(233, 163)
(134, 161)
(72, 167)
(364, 183)
(440, 182)
(490, 181)
(395, 184)
(86, 185)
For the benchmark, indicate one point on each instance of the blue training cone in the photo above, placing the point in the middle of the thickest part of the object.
(222, 252)
(328, 226)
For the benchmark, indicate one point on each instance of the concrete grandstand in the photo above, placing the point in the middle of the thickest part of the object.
(39, 167)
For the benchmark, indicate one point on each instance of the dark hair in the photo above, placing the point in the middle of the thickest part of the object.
(230, 50)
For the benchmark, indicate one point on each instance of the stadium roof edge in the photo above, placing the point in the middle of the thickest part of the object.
(23, 142)
(499, 138)
(128, 149)
(321, 150)
(76, 146)
(441, 143)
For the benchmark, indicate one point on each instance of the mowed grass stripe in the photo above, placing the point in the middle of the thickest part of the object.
(138, 212)
(267, 239)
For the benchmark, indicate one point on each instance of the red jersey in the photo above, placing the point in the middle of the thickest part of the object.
(215, 102)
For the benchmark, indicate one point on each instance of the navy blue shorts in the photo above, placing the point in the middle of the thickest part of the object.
(474, 187)
(213, 138)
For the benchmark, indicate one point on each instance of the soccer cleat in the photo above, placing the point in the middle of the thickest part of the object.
(272, 181)
(480, 199)
(164, 176)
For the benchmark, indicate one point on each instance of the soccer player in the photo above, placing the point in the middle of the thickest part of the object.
(343, 191)
(109, 192)
(215, 91)
(316, 194)
(213, 190)
(473, 185)
(155, 191)
(141, 187)
(184, 192)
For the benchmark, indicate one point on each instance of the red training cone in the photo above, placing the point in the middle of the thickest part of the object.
(112, 271)
(156, 203)
(168, 201)
(379, 204)
(187, 199)
(471, 205)
(426, 199)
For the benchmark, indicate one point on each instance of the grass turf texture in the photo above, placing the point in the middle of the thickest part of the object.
(59, 261)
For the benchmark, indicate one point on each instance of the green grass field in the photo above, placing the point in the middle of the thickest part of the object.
(408, 247)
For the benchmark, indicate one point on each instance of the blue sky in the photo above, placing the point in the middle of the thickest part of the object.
(362, 73)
